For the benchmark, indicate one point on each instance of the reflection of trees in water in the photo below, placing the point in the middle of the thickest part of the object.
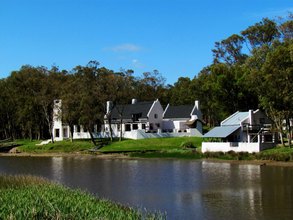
(277, 192)
(232, 191)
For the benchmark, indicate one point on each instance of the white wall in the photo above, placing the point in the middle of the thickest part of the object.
(158, 110)
(229, 146)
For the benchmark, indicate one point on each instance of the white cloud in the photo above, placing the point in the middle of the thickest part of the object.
(136, 63)
(125, 48)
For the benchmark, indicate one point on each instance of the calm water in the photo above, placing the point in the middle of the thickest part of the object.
(184, 189)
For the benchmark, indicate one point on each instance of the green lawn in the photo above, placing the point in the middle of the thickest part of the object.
(155, 148)
(159, 144)
(152, 144)
(58, 147)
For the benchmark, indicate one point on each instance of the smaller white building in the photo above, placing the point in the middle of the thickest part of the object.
(183, 118)
(241, 132)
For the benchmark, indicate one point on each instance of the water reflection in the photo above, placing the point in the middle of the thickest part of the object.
(57, 168)
(184, 189)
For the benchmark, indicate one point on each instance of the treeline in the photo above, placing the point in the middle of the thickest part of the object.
(252, 69)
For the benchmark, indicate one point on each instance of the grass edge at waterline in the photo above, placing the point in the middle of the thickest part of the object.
(29, 197)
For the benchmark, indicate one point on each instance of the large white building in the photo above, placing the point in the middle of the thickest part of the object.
(137, 120)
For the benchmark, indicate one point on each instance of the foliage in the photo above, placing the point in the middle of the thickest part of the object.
(27, 197)
(188, 144)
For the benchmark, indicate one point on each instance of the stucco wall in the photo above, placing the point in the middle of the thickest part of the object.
(228, 146)
(157, 110)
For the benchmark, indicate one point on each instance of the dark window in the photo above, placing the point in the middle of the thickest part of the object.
(135, 117)
(78, 128)
(156, 115)
(127, 127)
(57, 132)
(158, 125)
(143, 126)
(135, 126)
(65, 132)
(151, 126)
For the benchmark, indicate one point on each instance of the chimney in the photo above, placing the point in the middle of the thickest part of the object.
(196, 103)
(133, 101)
(250, 115)
(109, 107)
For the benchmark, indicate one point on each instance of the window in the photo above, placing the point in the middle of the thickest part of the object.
(151, 126)
(156, 115)
(78, 128)
(135, 126)
(57, 132)
(135, 117)
(143, 126)
(127, 127)
(65, 133)
(158, 125)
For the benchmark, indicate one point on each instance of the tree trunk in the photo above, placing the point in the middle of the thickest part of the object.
(281, 138)
(71, 127)
(110, 128)
(92, 138)
(120, 138)
(289, 131)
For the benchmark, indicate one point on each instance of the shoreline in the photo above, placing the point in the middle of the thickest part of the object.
(121, 156)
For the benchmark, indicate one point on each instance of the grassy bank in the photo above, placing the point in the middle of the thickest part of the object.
(27, 197)
(57, 147)
(154, 144)
(182, 147)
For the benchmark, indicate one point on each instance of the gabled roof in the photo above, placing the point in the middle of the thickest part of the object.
(235, 119)
(181, 111)
(139, 108)
(221, 132)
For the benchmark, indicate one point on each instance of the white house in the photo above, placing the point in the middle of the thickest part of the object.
(183, 118)
(241, 132)
(140, 120)
(137, 120)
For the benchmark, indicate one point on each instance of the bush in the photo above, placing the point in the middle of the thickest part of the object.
(33, 198)
(188, 144)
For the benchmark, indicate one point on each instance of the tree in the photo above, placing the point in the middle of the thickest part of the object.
(229, 50)
(264, 32)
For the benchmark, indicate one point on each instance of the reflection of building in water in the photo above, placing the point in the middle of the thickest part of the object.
(231, 189)
(57, 168)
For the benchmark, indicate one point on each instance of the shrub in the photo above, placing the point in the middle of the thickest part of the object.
(188, 144)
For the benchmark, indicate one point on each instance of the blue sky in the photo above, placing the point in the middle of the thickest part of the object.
(172, 36)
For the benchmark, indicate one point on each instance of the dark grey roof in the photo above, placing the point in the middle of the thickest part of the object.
(128, 110)
(181, 111)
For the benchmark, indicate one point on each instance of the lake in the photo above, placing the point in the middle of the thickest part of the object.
(185, 189)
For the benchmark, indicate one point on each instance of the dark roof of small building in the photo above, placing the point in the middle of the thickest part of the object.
(181, 111)
(128, 110)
